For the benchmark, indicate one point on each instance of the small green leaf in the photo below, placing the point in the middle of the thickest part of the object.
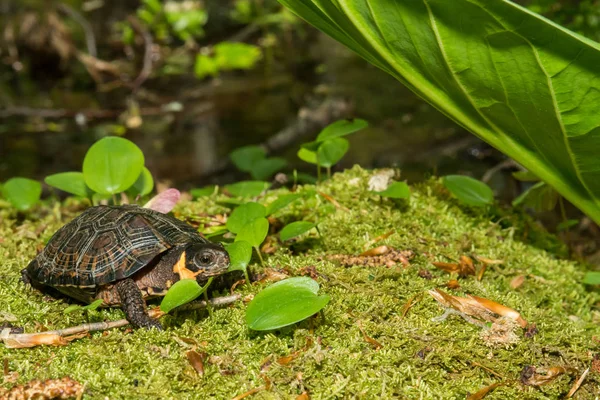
(254, 232)
(182, 292)
(205, 66)
(212, 231)
(468, 190)
(294, 229)
(397, 190)
(240, 253)
(247, 188)
(112, 165)
(282, 202)
(243, 215)
(563, 226)
(341, 128)
(70, 182)
(203, 192)
(245, 157)
(265, 169)
(144, 183)
(285, 303)
(307, 156)
(525, 176)
(236, 55)
(22, 193)
(90, 307)
(540, 197)
(592, 278)
(331, 151)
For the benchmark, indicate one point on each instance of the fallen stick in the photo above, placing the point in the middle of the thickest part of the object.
(61, 337)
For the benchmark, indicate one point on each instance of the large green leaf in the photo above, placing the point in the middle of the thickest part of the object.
(518, 81)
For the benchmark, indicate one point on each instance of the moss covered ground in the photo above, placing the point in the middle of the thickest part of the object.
(329, 355)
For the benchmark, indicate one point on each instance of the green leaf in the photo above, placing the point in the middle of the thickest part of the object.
(240, 253)
(245, 157)
(294, 229)
(265, 169)
(254, 232)
(182, 292)
(70, 182)
(518, 81)
(203, 192)
(247, 188)
(592, 278)
(525, 176)
(282, 202)
(563, 226)
(307, 155)
(244, 214)
(205, 66)
(331, 151)
(90, 307)
(112, 165)
(540, 197)
(144, 183)
(468, 190)
(236, 55)
(22, 193)
(397, 190)
(285, 303)
(340, 128)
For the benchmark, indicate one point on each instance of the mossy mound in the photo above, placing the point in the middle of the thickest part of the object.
(329, 355)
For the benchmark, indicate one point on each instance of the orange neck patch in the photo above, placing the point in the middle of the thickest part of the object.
(180, 269)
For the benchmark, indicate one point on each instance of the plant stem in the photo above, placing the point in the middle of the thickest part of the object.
(262, 262)
(246, 276)
(318, 173)
(563, 213)
(329, 172)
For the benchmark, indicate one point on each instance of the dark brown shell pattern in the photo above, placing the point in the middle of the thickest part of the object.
(108, 243)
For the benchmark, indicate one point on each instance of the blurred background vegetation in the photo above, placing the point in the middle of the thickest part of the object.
(189, 81)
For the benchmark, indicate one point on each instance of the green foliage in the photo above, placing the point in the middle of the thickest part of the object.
(227, 56)
(22, 193)
(295, 229)
(540, 197)
(469, 190)
(254, 232)
(247, 188)
(341, 128)
(89, 307)
(331, 151)
(592, 278)
(112, 165)
(253, 159)
(70, 182)
(182, 292)
(281, 202)
(240, 254)
(397, 190)
(243, 215)
(523, 84)
(285, 303)
(205, 191)
(144, 184)
(183, 20)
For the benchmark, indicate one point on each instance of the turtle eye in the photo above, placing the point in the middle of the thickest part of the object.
(205, 258)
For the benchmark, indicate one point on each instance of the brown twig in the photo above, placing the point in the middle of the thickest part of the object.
(90, 39)
(147, 65)
(63, 113)
(63, 336)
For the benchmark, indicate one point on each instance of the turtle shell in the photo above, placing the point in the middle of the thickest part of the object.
(108, 243)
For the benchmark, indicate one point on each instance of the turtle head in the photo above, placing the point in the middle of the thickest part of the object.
(204, 260)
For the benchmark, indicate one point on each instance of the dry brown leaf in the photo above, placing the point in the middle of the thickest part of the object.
(489, 261)
(196, 360)
(273, 275)
(64, 388)
(285, 360)
(447, 267)
(517, 282)
(368, 339)
(248, 393)
(19, 341)
(501, 310)
(332, 201)
(389, 259)
(453, 284)
(530, 376)
(409, 303)
(376, 251)
(303, 396)
(466, 266)
(381, 237)
(265, 365)
(481, 393)
(577, 384)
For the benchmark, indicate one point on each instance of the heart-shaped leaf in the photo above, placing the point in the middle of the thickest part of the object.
(112, 165)
(340, 128)
(397, 190)
(247, 188)
(144, 183)
(540, 197)
(70, 182)
(285, 303)
(308, 156)
(294, 229)
(240, 253)
(331, 151)
(22, 193)
(265, 169)
(592, 278)
(468, 190)
(243, 215)
(182, 292)
(254, 232)
(205, 191)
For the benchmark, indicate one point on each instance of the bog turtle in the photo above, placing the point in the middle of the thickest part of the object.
(124, 255)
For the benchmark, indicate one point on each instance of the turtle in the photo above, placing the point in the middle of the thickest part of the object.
(124, 255)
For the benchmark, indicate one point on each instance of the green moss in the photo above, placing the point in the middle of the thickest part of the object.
(419, 358)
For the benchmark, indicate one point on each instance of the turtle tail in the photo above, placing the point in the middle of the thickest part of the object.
(25, 278)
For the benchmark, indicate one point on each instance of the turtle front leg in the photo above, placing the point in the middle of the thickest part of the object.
(134, 305)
